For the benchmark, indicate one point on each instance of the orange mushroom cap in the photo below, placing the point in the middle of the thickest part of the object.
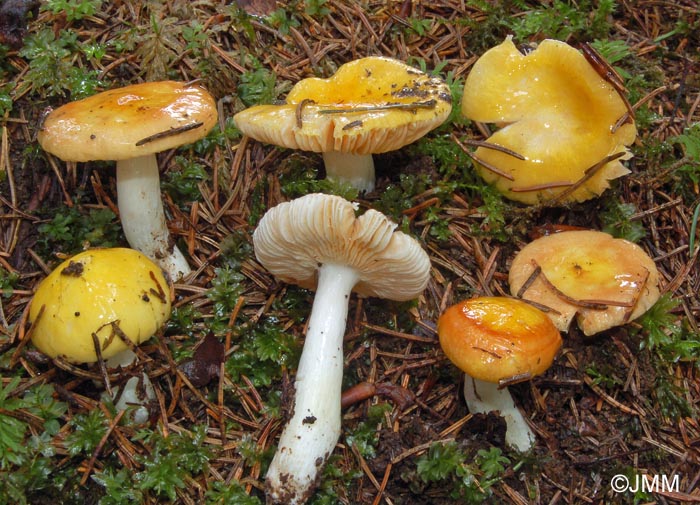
(129, 122)
(495, 338)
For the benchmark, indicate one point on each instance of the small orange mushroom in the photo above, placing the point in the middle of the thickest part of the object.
(496, 341)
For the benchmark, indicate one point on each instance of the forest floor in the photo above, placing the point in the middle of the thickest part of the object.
(620, 403)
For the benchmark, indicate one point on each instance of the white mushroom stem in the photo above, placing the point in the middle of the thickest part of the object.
(484, 397)
(311, 434)
(142, 216)
(355, 169)
(136, 391)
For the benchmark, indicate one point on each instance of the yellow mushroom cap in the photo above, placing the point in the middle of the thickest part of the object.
(371, 105)
(100, 291)
(116, 124)
(557, 112)
(495, 338)
(601, 280)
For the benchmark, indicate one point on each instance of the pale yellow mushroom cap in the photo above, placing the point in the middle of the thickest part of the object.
(113, 125)
(371, 105)
(491, 338)
(100, 291)
(294, 238)
(600, 280)
(557, 112)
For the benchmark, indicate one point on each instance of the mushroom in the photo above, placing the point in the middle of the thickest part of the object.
(317, 242)
(371, 105)
(565, 127)
(497, 341)
(92, 303)
(130, 125)
(600, 280)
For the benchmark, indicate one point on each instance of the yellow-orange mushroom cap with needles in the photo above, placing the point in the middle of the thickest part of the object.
(370, 105)
(495, 341)
(557, 113)
(101, 292)
(600, 280)
(496, 338)
(129, 122)
(130, 125)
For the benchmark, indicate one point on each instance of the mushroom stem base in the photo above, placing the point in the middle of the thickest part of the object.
(137, 391)
(484, 397)
(142, 216)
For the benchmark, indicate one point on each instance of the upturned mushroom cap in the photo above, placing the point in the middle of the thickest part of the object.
(101, 292)
(557, 112)
(495, 338)
(294, 238)
(600, 280)
(129, 122)
(371, 105)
